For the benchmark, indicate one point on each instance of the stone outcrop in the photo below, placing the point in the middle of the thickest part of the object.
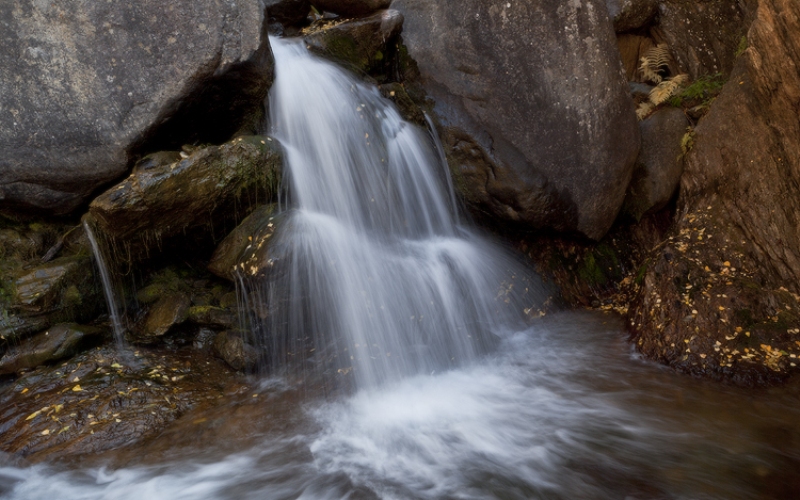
(363, 44)
(721, 297)
(167, 199)
(532, 105)
(89, 86)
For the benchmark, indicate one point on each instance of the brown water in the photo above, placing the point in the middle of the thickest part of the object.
(563, 410)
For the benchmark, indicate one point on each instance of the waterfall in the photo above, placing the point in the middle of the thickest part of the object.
(370, 271)
(108, 289)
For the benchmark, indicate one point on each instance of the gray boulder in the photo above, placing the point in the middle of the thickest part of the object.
(532, 105)
(89, 86)
(660, 163)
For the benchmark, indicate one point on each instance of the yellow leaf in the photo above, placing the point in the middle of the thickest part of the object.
(34, 414)
(45, 432)
(77, 388)
(24, 390)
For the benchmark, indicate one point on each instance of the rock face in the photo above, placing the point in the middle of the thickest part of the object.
(660, 163)
(191, 191)
(722, 296)
(89, 86)
(703, 36)
(351, 7)
(532, 104)
(362, 44)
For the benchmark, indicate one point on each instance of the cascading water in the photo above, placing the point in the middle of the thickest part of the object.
(371, 268)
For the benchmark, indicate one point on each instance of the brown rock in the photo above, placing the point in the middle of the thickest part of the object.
(228, 252)
(169, 311)
(231, 347)
(737, 240)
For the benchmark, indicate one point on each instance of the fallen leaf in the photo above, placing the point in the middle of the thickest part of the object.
(77, 388)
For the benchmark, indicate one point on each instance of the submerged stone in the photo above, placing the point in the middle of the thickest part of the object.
(169, 199)
(58, 342)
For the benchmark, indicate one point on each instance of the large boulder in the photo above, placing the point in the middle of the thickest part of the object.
(533, 107)
(89, 86)
(722, 296)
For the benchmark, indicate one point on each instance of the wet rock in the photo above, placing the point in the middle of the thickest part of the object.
(16, 326)
(351, 7)
(58, 342)
(167, 200)
(169, 311)
(409, 110)
(142, 77)
(703, 36)
(40, 289)
(230, 250)
(212, 316)
(102, 400)
(660, 163)
(629, 15)
(363, 44)
(231, 347)
(533, 109)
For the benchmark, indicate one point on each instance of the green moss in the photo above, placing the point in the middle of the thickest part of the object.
(72, 297)
(743, 44)
(701, 92)
(590, 272)
(744, 317)
(640, 274)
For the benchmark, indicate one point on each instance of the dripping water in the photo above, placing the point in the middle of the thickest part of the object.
(108, 289)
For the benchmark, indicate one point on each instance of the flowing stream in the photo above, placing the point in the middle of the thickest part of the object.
(456, 398)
